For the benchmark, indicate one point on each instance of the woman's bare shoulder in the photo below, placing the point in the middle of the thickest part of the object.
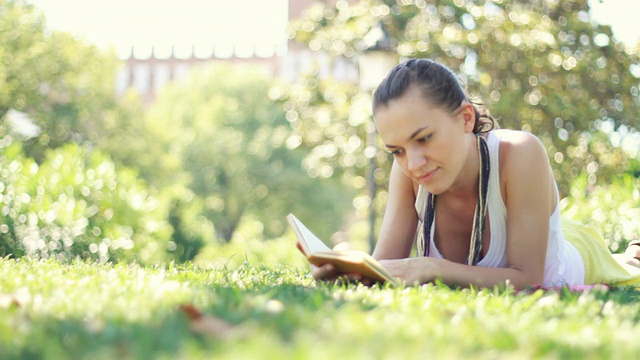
(517, 146)
(523, 158)
(515, 137)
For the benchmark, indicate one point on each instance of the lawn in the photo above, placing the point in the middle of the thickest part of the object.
(52, 310)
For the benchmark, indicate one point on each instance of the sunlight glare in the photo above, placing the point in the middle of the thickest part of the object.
(184, 25)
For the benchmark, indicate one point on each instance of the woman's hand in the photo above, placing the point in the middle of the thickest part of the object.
(328, 272)
(413, 271)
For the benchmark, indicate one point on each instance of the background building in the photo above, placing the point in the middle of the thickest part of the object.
(147, 71)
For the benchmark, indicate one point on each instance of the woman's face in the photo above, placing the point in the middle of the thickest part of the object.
(430, 144)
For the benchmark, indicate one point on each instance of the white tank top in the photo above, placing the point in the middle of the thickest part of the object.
(563, 265)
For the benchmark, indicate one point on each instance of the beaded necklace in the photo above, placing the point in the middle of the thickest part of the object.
(477, 231)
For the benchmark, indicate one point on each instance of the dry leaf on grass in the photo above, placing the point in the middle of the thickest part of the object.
(206, 324)
(16, 299)
(7, 301)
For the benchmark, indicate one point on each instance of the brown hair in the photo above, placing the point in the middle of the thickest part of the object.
(436, 82)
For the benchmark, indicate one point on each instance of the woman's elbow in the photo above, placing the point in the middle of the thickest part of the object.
(527, 279)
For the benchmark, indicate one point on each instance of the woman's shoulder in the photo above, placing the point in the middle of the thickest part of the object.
(520, 150)
(523, 168)
(516, 141)
(513, 136)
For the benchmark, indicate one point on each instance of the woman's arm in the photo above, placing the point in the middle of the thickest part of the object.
(400, 218)
(420, 270)
(530, 198)
(529, 194)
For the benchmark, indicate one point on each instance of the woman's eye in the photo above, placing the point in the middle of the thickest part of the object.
(396, 152)
(424, 139)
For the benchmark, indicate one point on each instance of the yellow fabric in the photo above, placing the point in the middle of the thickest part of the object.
(600, 266)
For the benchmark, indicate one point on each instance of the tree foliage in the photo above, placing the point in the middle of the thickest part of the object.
(216, 151)
(614, 209)
(61, 196)
(540, 66)
(222, 131)
(64, 85)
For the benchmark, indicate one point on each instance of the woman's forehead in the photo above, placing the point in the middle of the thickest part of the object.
(399, 122)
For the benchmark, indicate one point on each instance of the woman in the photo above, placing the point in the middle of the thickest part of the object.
(484, 200)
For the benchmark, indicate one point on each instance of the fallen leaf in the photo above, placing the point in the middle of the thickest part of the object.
(8, 301)
(206, 324)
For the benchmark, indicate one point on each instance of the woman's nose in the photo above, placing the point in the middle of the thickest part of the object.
(415, 160)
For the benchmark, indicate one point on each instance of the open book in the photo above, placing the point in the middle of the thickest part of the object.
(350, 261)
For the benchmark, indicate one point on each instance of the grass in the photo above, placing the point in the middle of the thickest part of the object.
(51, 310)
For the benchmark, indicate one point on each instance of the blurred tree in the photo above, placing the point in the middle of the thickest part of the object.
(232, 141)
(540, 66)
(613, 209)
(331, 118)
(65, 86)
(24, 62)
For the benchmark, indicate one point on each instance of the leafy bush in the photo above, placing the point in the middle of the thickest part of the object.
(192, 230)
(614, 208)
(248, 246)
(77, 204)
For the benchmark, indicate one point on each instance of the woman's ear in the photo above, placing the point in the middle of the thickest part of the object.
(468, 113)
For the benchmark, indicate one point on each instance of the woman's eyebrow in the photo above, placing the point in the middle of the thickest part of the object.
(413, 135)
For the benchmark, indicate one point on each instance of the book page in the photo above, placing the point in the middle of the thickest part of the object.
(310, 243)
(350, 261)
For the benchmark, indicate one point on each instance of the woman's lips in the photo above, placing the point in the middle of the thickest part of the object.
(427, 176)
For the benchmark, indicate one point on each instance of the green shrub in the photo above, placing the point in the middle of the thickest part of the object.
(613, 208)
(77, 204)
(249, 246)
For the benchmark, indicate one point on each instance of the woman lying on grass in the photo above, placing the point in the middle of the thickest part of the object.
(483, 200)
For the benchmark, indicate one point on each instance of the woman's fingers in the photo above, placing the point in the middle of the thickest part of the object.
(328, 272)
(323, 272)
